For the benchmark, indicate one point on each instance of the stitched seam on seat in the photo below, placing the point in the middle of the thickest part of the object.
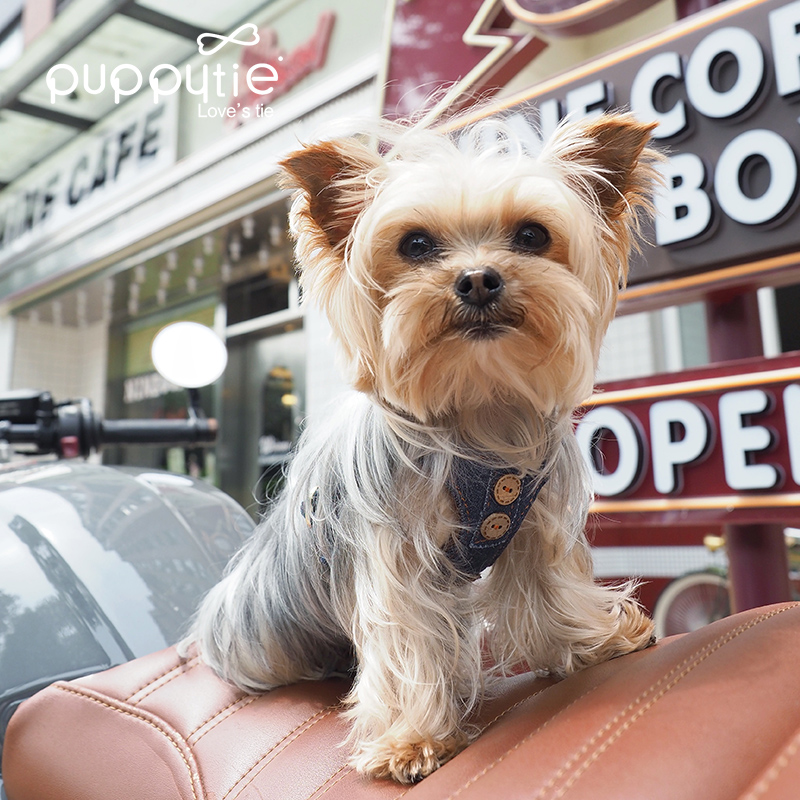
(667, 682)
(344, 769)
(475, 778)
(178, 669)
(774, 771)
(511, 708)
(491, 722)
(219, 714)
(220, 711)
(159, 677)
(276, 749)
(489, 725)
(528, 737)
(170, 738)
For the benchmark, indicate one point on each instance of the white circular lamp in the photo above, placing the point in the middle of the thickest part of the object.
(189, 354)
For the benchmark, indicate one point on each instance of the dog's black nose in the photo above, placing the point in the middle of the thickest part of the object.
(478, 287)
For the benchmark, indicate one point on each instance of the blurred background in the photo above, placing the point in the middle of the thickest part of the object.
(123, 208)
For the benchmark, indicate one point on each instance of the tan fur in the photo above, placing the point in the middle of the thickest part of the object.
(439, 378)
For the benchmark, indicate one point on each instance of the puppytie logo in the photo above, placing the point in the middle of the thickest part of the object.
(221, 41)
(208, 44)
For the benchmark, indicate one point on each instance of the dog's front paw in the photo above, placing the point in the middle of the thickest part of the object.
(629, 629)
(406, 761)
(635, 629)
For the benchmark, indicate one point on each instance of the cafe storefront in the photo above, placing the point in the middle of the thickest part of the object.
(168, 208)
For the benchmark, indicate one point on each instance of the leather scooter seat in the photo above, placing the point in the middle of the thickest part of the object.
(710, 714)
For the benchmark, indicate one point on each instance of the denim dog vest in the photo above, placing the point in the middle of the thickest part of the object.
(492, 503)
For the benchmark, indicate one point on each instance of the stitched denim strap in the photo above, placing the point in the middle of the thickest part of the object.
(492, 503)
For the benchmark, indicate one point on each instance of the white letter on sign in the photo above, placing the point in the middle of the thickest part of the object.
(783, 28)
(791, 408)
(779, 156)
(630, 449)
(589, 100)
(739, 439)
(645, 89)
(684, 208)
(744, 48)
(669, 454)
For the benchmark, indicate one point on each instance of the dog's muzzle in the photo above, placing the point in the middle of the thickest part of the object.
(479, 287)
(485, 309)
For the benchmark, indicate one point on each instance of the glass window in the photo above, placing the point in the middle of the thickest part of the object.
(259, 265)
(136, 391)
(669, 340)
(693, 335)
(787, 303)
(263, 408)
(12, 40)
(94, 341)
(629, 348)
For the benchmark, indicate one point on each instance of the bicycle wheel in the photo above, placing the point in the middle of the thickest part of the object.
(690, 602)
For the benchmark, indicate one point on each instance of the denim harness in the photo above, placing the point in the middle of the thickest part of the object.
(491, 502)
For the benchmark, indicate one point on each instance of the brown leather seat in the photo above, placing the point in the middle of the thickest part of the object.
(712, 714)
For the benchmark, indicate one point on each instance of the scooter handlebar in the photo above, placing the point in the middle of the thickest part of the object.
(150, 431)
(74, 429)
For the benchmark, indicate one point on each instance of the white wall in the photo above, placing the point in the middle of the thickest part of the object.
(628, 349)
(324, 381)
(7, 325)
(68, 361)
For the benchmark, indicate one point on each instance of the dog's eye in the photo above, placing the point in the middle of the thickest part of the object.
(531, 238)
(418, 245)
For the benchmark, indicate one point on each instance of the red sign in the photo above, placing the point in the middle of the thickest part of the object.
(720, 444)
(466, 47)
(291, 67)
(443, 55)
(575, 17)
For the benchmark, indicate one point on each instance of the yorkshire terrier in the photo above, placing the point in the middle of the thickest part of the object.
(431, 535)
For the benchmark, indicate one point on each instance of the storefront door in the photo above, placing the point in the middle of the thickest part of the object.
(263, 405)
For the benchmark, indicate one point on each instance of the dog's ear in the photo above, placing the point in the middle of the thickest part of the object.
(608, 155)
(333, 183)
(332, 180)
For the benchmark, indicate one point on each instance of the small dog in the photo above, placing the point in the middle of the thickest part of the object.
(469, 283)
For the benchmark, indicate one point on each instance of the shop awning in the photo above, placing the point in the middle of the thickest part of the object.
(100, 34)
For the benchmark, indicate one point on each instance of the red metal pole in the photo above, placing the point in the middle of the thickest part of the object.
(734, 326)
(758, 565)
(758, 561)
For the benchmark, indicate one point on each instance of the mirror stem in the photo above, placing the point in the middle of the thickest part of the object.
(194, 408)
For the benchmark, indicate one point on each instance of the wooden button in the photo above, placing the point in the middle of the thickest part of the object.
(495, 526)
(507, 489)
